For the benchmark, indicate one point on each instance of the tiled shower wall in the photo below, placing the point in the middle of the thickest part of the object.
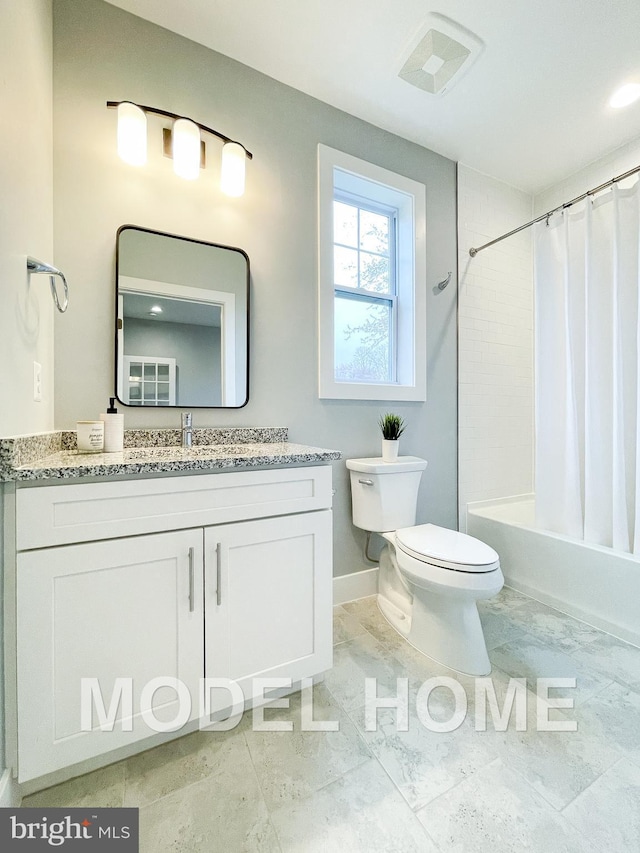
(495, 317)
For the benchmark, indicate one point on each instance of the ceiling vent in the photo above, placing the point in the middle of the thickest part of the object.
(441, 55)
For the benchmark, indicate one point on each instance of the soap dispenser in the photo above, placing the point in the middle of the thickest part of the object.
(113, 428)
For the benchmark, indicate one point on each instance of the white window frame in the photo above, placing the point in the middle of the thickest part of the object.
(342, 172)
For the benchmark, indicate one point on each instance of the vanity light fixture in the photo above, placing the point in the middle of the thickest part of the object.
(155, 310)
(186, 149)
(184, 144)
(232, 172)
(132, 134)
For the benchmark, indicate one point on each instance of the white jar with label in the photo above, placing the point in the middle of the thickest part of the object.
(90, 436)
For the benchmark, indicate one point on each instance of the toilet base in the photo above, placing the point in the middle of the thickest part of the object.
(449, 631)
(444, 627)
(436, 646)
(395, 616)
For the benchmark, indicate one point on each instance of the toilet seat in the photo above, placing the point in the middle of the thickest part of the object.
(447, 549)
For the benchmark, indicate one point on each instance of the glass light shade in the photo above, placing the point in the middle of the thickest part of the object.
(232, 171)
(186, 149)
(132, 134)
(625, 95)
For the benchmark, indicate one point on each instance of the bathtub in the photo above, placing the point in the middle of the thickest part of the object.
(595, 584)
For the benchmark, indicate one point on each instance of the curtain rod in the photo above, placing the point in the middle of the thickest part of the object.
(474, 250)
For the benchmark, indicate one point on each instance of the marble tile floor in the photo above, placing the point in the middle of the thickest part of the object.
(457, 791)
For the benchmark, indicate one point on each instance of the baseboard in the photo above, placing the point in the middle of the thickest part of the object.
(355, 585)
(631, 637)
(9, 791)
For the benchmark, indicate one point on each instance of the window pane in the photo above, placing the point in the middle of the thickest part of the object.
(345, 267)
(135, 370)
(150, 391)
(374, 272)
(163, 372)
(345, 224)
(374, 231)
(163, 392)
(150, 372)
(362, 340)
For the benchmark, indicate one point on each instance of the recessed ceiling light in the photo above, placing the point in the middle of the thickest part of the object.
(625, 95)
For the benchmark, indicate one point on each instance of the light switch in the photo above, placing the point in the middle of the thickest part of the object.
(37, 382)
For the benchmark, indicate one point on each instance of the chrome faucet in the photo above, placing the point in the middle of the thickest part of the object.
(187, 430)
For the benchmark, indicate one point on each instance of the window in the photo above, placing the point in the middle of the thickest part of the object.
(151, 381)
(371, 281)
(364, 277)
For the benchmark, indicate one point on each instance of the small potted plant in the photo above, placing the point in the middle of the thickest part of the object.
(392, 426)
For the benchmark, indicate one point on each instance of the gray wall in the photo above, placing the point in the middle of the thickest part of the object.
(102, 53)
(196, 350)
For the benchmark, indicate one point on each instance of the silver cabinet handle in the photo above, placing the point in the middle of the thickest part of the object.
(366, 482)
(218, 575)
(192, 603)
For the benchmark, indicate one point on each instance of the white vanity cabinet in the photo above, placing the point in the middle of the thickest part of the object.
(122, 609)
(220, 575)
(266, 600)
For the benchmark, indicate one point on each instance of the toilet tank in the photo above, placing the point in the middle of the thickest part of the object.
(384, 495)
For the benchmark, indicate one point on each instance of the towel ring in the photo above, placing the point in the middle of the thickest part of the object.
(34, 266)
(54, 292)
(445, 281)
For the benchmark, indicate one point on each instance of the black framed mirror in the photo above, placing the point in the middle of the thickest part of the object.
(182, 321)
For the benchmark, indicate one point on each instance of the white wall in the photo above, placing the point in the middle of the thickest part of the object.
(26, 228)
(26, 220)
(102, 53)
(495, 341)
(596, 173)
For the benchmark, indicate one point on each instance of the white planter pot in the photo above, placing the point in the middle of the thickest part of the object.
(390, 449)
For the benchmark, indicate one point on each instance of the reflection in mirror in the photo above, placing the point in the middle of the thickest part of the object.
(182, 321)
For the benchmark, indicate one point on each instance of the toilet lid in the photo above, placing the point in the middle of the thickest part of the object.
(447, 548)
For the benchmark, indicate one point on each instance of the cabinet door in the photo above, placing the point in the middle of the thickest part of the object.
(268, 597)
(124, 609)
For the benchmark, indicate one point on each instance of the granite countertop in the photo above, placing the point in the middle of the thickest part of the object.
(51, 455)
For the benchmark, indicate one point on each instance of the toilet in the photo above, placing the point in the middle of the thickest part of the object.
(430, 577)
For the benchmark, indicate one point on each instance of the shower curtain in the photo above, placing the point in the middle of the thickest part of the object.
(586, 264)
